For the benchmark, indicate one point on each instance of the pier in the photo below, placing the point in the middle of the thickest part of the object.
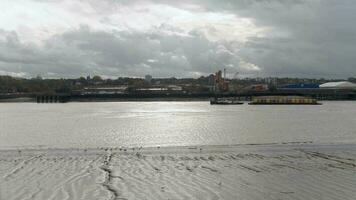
(52, 98)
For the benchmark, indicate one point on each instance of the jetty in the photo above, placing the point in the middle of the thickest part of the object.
(52, 98)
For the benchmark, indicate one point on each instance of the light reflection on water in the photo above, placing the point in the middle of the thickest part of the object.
(172, 123)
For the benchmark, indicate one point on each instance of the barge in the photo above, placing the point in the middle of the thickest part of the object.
(283, 100)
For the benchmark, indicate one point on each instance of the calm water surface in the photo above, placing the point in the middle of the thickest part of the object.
(172, 124)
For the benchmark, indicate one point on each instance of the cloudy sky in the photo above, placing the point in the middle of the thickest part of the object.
(186, 38)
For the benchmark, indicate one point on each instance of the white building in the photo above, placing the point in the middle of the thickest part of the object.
(338, 85)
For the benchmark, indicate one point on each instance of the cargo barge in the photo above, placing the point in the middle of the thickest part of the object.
(283, 100)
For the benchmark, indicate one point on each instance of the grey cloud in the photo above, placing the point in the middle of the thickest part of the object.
(318, 40)
(85, 51)
(308, 38)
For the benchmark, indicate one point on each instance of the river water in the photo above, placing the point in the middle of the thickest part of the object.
(134, 124)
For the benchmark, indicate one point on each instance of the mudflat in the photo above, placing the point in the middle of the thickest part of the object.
(283, 171)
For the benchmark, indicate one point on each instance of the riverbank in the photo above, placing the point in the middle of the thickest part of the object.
(321, 95)
(290, 171)
(180, 99)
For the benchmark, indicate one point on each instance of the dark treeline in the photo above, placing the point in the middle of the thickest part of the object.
(10, 84)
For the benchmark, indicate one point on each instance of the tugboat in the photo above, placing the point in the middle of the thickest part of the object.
(216, 101)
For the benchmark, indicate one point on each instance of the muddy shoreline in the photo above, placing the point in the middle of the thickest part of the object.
(289, 171)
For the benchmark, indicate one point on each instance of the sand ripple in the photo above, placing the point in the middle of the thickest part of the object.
(265, 172)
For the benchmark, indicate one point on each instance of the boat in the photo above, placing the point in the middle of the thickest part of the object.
(217, 101)
(283, 100)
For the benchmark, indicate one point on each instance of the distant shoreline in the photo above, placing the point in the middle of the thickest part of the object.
(33, 100)
(178, 99)
(321, 95)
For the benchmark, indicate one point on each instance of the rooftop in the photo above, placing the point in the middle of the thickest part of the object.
(340, 85)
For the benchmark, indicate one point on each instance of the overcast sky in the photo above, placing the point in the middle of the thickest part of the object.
(185, 38)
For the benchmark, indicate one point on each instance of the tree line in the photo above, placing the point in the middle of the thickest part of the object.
(10, 84)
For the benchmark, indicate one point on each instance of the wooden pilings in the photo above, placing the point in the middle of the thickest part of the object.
(52, 99)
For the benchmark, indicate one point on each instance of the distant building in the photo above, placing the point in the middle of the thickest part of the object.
(299, 86)
(148, 79)
(257, 88)
(220, 84)
(162, 88)
(175, 87)
(104, 90)
(338, 85)
(272, 82)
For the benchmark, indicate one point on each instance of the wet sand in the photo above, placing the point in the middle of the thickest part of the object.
(289, 171)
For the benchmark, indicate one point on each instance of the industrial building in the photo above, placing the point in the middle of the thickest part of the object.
(220, 82)
(299, 86)
(104, 90)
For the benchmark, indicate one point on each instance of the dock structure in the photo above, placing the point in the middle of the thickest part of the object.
(52, 98)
